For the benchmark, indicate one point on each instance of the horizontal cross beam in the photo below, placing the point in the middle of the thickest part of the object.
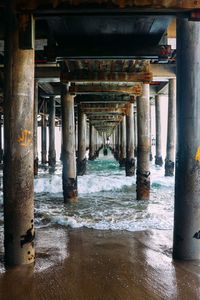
(135, 89)
(85, 76)
(93, 4)
(109, 98)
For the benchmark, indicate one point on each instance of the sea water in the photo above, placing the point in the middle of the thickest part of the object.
(106, 199)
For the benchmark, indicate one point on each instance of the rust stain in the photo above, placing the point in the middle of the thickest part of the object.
(25, 138)
(197, 156)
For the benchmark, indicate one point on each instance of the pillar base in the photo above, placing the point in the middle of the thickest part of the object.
(35, 166)
(52, 159)
(169, 167)
(70, 190)
(130, 167)
(158, 160)
(122, 162)
(92, 157)
(96, 154)
(105, 151)
(135, 152)
(116, 155)
(44, 157)
(81, 167)
(143, 185)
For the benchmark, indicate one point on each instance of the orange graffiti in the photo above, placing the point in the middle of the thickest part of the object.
(197, 156)
(25, 139)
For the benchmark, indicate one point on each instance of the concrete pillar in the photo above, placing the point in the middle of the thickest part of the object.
(143, 173)
(158, 157)
(35, 128)
(135, 133)
(1, 148)
(44, 133)
(169, 161)
(81, 162)
(187, 180)
(52, 150)
(69, 176)
(122, 160)
(150, 144)
(130, 159)
(18, 177)
(92, 143)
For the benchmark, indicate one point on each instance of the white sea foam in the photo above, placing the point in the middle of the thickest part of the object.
(106, 201)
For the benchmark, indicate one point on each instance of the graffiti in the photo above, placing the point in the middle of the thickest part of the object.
(197, 156)
(25, 138)
(28, 237)
(197, 235)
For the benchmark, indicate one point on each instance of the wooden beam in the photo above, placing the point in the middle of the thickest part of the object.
(101, 111)
(110, 98)
(81, 76)
(64, 6)
(135, 89)
(107, 117)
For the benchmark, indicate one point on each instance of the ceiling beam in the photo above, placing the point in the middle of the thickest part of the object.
(135, 89)
(103, 110)
(109, 98)
(93, 5)
(109, 51)
(86, 76)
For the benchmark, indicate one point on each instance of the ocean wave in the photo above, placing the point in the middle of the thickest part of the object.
(86, 184)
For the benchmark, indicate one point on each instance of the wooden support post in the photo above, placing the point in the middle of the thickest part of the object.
(158, 158)
(143, 173)
(81, 161)
(169, 161)
(35, 129)
(68, 147)
(18, 177)
(52, 150)
(122, 160)
(44, 133)
(130, 159)
(187, 180)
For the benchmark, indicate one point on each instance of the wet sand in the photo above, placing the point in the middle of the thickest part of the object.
(83, 264)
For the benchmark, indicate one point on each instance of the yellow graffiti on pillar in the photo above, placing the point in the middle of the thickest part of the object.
(25, 138)
(197, 156)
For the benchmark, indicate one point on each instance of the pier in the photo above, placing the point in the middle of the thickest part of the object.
(97, 70)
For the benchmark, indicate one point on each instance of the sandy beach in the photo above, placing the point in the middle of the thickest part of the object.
(84, 264)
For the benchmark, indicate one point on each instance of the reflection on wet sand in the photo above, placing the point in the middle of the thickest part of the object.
(86, 264)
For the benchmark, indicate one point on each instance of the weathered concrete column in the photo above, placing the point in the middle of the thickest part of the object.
(169, 161)
(187, 181)
(69, 177)
(18, 177)
(135, 133)
(52, 150)
(81, 162)
(116, 152)
(130, 159)
(1, 148)
(143, 173)
(92, 143)
(35, 128)
(158, 157)
(150, 144)
(44, 134)
(122, 159)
